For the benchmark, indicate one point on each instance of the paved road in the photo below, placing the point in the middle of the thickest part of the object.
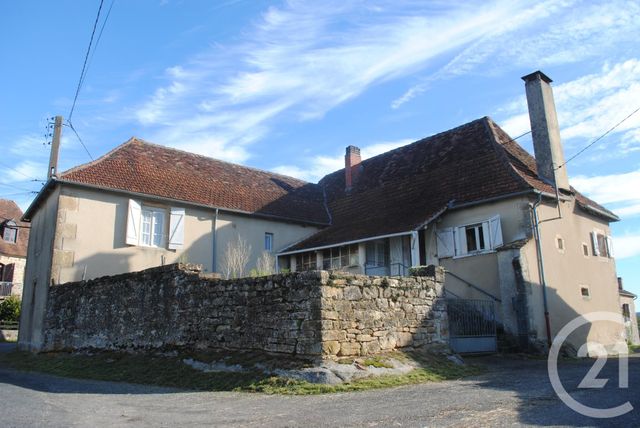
(513, 392)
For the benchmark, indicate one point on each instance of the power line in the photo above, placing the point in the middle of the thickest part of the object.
(599, 138)
(79, 139)
(20, 172)
(104, 23)
(86, 58)
(515, 138)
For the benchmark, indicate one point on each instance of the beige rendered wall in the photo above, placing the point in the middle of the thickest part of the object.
(631, 327)
(252, 230)
(92, 236)
(38, 272)
(569, 269)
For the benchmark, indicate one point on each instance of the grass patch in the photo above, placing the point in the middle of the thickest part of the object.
(378, 362)
(170, 371)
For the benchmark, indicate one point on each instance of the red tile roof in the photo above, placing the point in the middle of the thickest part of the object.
(400, 190)
(10, 211)
(141, 167)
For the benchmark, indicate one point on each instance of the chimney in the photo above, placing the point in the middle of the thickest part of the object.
(620, 285)
(351, 166)
(545, 131)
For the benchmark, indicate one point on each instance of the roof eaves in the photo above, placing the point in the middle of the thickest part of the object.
(598, 212)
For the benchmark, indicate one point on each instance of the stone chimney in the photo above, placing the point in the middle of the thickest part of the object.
(620, 285)
(545, 130)
(351, 166)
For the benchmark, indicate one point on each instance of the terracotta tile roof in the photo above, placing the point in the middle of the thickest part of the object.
(141, 167)
(10, 211)
(400, 190)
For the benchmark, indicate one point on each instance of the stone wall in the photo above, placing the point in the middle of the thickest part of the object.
(307, 314)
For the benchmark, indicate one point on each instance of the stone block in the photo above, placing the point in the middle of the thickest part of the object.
(349, 349)
(331, 347)
(352, 292)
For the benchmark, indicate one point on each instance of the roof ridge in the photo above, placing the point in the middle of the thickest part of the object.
(133, 140)
(421, 140)
(101, 158)
(501, 150)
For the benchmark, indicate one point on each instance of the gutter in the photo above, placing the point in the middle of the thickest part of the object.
(337, 244)
(215, 242)
(164, 199)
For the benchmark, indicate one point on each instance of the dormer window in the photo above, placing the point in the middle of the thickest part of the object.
(10, 231)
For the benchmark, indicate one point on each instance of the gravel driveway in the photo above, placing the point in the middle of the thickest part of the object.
(513, 392)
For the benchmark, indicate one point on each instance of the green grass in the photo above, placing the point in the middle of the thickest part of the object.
(170, 371)
(377, 361)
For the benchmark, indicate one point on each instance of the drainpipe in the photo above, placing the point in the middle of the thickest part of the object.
(536, 229)
(215, 242)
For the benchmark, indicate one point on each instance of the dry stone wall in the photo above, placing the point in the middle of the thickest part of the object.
(308, 314)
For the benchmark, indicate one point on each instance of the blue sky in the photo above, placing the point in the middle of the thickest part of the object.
(285, 86)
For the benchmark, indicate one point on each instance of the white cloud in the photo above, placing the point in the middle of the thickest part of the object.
(588, 107)
(619, 191)
(316, 167)
(627, 246)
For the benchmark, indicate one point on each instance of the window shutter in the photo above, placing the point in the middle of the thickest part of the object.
(610, 246)
(495, 229)
(7, 272)
(176, 228)
(461, 241)
(133, 222)
(445, 243)
(594, 242)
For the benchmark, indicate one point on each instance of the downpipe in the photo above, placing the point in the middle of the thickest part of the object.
(543, 282)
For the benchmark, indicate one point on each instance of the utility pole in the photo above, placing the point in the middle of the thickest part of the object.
(55, 148)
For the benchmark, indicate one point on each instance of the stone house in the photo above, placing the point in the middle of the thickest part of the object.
(14, 237)
(505, 225)
(628, 308)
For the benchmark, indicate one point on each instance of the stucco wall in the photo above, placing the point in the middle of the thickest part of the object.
(631, 326)
(91, 239)
(38, 271)
(567, 270)
(307, 314)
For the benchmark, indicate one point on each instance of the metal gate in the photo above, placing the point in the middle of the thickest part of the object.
(472, 325)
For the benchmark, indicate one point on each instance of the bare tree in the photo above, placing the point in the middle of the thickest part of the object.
(266, 264)
(235, 258)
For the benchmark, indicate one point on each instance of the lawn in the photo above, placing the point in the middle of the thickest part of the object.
(170, 371)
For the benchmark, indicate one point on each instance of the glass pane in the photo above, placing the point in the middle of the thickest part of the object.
(145, 237)
(268, 241)
(344, 259)
(158, 228)
(481, 235)
(326, 264)
(472, 245)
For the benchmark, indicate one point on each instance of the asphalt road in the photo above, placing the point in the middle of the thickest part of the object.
(512, 392)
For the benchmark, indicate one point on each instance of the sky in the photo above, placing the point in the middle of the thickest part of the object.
(285, 86)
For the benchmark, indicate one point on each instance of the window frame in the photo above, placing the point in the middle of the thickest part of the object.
(306, 261)
(585, 296)
(492, 239)
(341, 257)
(10, 225)
(153, 227)
(268, 241)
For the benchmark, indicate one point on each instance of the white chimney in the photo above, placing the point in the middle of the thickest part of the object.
(545, 130)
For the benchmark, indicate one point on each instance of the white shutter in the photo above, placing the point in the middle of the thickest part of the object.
(495, 229)
(133, 222)
(445, 243)
(176, 228)
(461, 241)
(610, 246)
(594, 242)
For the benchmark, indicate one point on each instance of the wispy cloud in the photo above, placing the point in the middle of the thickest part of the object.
(627, 246)
(589, 106)
(618, 191)
(315, 167)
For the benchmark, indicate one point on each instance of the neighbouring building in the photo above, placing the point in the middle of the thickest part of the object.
(14, 237)
(628, 307)
(505, 225)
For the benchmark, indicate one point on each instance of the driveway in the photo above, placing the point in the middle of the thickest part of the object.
(512, 392)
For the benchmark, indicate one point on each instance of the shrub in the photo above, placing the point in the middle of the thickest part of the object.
(10, 309)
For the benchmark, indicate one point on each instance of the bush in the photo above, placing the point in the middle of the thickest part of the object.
(10, 309)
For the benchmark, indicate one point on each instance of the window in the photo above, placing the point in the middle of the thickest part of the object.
(152, 227)
(584, 291)
(602, 244)
(585, 249)
(6, 272)
(475, 238)
(339, 257)
(268, 241)
(9, 231)
(377, 253)
(560, 244)
(626, 313)
(306, 261)
(470, 239)
(147, 226)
